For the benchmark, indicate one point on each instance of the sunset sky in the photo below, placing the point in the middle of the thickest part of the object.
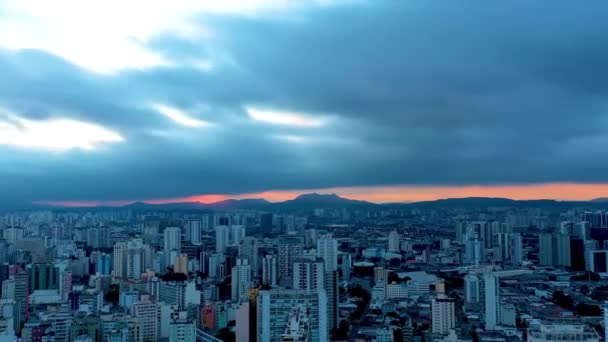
(388, 101)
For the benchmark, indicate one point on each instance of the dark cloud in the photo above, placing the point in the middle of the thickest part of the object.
(417, 92)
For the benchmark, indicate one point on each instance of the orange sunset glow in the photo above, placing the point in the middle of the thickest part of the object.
(389, 194)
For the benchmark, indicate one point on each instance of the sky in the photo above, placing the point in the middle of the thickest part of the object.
(387, 101)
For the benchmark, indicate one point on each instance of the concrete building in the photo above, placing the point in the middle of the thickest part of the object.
(443, 315)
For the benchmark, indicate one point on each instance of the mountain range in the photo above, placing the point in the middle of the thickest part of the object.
(329, 201)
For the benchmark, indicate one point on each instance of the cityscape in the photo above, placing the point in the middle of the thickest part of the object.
(322, 268)
(303, 171)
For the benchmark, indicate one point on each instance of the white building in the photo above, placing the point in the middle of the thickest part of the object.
(173, 239)
(327, 249)
(275, 308)
(269, 270)
(561, 332)
(394, 240)
(443, 315)
(241, 280)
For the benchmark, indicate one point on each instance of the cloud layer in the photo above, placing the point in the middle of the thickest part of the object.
(284, 95)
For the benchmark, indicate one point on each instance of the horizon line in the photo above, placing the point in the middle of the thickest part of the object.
(571, 192)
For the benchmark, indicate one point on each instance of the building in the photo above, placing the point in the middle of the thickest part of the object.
(243, 326)
(249, 248)
(554, 249)
(131, 258)
(471, 289)
(241, 280)
(194, 231)
(269, 270)
(275, 308)
(308, 274)
(327, 249)
(43, 276)
(539, 332)
(332, 289)
(491, 300)
(172, 239)
(394, 240)
(289, 248)
(443, 315)
(222, 238)
(182, 329)
(147, 314)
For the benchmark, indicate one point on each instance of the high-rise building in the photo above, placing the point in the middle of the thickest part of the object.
(194, 231)
(243, 324)
(471, 289)
(327, 249)
(241, 280)
(394, 240)
(249, 248)
(308, 274)
(554, 249)
(173, 239)
(276, 307)
(289, 249)
(237, 233)
(332, 289)
(222, 238)
(517, 254)
(545, 253)
(492, 301)
(131, 258)
(43, 276)
(266, 223)
(269, 270)
(182, 329)
(443, 315)
(147, 314)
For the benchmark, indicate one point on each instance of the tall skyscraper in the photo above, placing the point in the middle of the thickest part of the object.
(308, 274)
(332, 289)
(237, 233)
(131, 258)
(289, 249)
(270, 270)
(545, 253)
(147, 314)
(492, 301)
(472, 291)
(194, 231)
(43, 276)
(266, 223)
(222, 238)
(517, 254)
(443, 315)
(277, 306)
(394, 240)
(327, 249)
(249, 248)
(173, 239)
(554, 249)
(241, 280)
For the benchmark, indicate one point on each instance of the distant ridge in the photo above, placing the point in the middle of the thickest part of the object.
(315, 200)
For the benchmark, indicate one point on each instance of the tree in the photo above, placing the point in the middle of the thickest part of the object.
(341, 332)
(113, 295)
(226, 335)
